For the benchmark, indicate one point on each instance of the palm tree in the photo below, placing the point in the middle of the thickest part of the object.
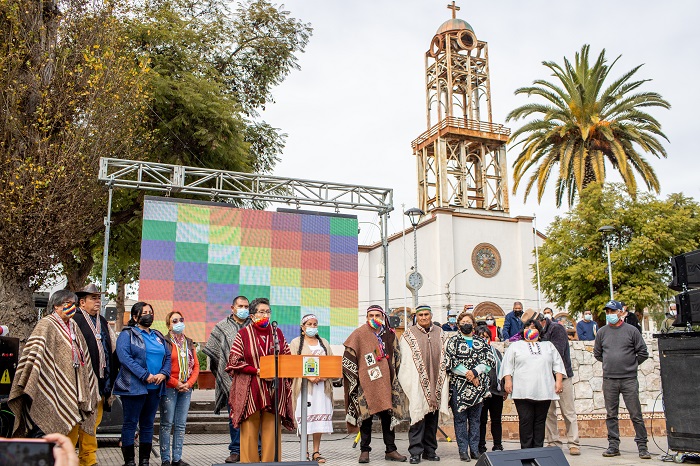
(582, 125)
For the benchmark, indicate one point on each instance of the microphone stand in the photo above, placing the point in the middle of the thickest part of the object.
(275, 385)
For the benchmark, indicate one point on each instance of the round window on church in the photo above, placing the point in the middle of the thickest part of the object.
(486, 260)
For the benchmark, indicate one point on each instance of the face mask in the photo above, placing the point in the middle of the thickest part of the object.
(452, 320)
(531, 334)
(262, 322)
(587, 317)
(518, 313)
(69, 311)
(311, 331)
(179, 327)
(146, 320)
(673, 312)
(466, 328)
(490, 322)
(612, 318)
(376, 324)
(548, 316)
(242, 313)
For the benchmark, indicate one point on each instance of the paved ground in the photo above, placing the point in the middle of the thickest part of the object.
(208, 449)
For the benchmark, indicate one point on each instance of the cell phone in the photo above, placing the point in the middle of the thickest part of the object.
(26, 452)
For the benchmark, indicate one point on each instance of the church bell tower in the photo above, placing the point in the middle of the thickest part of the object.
(461, 157)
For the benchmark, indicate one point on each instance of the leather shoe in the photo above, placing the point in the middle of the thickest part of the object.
(464, 456)
(432, 457)
(611, 452)
(415, 459)
(497, 448)
(233, 458)
(574, 451)
(474, 456)
(644, 454)
(394, 456)
(364, 457)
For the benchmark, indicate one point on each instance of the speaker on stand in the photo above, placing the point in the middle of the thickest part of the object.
(550, 456)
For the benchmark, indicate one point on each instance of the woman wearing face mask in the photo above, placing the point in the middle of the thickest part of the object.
(320, 398)
(468, 362)
(252, 398)
(175, 403)
(144, 354)
(494, 331)
(493, 400)
(527, 367)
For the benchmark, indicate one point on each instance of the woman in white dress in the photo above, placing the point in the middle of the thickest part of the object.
(319, 416)
(533, 372)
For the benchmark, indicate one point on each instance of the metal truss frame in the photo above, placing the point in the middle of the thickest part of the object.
(247, 190)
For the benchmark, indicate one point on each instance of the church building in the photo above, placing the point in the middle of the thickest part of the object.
(471, 253)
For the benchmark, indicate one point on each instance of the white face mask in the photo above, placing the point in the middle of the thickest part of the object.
(548, 316)
(490, 322)
(587, 317)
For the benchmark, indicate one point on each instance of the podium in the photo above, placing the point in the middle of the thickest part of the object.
(302, 366)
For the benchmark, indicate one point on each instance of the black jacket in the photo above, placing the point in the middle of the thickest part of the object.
(106, 383)
(556, 333)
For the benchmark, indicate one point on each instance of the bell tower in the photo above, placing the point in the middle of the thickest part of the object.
(461, 157)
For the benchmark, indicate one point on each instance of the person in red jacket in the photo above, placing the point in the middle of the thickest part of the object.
(175, 402)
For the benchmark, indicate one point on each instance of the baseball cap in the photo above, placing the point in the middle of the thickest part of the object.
(614, 305)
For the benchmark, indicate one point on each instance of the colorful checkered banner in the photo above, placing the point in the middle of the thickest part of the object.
(197, 256)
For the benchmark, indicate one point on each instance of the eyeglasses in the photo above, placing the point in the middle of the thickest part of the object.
(176, 320)
(263, 313)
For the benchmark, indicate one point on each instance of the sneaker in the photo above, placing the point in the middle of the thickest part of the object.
(644, 454)
(574, 451)
(464, 456)
(165, 463)
(610, 452)
(180, 463)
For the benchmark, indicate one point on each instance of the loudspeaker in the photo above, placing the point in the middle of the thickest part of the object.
(686, 271)
(550, 456)
(688, 308)
(282, 463)
(680, 380)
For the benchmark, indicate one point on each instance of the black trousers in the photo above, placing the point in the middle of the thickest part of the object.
(493, 405)
(387, 432)
(532, 417)
(422, 436)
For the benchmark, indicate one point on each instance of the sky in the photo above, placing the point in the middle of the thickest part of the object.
(358, 101)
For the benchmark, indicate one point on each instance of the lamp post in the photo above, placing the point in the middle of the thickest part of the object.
(449, 295)
(606, 230)
(414, 280)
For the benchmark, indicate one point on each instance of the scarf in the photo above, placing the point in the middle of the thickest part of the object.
(49, 391)
(96, 331)
(185, 355)
(370, 384)
(458, 352)
(218, 348)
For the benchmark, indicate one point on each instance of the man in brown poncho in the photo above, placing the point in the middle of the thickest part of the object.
(370, 364)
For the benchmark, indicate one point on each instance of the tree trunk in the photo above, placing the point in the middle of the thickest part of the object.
(17, 306)
(119, 300)
(77, 266)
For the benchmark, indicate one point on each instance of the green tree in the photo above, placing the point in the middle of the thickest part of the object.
(70, 93)
(648, 231)
(584, 123)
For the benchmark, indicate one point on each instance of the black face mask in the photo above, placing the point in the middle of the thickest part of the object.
(146, 320)
(518, 313)
(466, 328)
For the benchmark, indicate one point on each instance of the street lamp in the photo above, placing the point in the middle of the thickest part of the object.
(449, 296)
(414, 281)
(606, 230)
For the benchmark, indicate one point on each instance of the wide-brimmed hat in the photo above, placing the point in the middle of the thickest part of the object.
(90, 289)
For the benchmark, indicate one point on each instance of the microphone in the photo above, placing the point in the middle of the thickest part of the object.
(274, 324)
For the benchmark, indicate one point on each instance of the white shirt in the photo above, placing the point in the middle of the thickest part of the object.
(532, 366)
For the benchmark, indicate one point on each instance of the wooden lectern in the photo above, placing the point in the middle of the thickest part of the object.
(302, 366)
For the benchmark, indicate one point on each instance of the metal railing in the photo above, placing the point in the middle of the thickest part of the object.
(461, 123)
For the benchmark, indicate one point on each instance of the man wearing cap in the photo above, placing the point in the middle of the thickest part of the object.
(621, 349)
(218, 349)
(451, 324)
(556, 334)
(101, 343)
(370, 363)
(513, 323)
(423, 380)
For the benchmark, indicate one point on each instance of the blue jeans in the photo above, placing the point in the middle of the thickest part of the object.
(139, 410)
(174, 406)
(467, 425)
(235, 445)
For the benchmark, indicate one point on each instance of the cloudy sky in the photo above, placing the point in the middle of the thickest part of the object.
(358, 101)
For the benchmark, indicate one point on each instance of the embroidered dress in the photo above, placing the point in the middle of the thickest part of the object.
(458, 352)
(319, 414)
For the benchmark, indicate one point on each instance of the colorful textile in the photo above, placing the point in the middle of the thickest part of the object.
(370, 384)
(48, 389)
(250, 393)
(191, 374)
(458, 352)
(218, 348)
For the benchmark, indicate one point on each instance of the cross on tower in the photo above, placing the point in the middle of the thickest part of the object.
(454, 9)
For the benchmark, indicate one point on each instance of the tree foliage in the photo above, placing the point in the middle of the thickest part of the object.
(648, 231)
(586, 121)
(70, 93)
